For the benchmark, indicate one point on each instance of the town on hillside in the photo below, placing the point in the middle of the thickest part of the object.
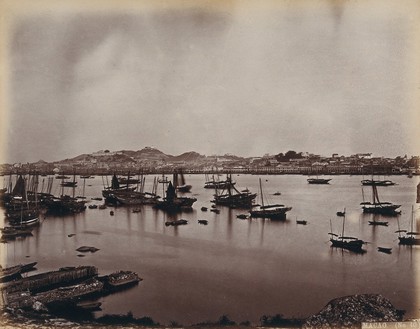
(152, 161)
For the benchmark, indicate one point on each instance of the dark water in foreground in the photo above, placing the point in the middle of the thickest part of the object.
(242, 268)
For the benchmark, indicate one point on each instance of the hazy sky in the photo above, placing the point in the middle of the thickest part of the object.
(242, 77)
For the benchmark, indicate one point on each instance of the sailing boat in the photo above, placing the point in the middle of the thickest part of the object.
(216, 183)
(378, 207)
(274, 211)
(384, 182)
(179, 182)
(409, 238)
(65, 204)
(128, 195)
(345, 242)
(72, 183)
(233, 198)
(174, 203)
(21, 211)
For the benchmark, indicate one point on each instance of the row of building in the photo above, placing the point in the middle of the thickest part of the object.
(301, 163)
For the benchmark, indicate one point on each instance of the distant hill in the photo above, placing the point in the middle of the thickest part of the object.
(188, 157)
(150, 153)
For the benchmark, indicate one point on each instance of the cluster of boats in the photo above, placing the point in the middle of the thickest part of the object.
(24, 202)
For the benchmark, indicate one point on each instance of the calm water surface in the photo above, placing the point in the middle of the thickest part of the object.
(242, 268)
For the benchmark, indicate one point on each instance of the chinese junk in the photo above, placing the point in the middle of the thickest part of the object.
(174, 203)
(179, 182)
(232, 198)
(274, 211)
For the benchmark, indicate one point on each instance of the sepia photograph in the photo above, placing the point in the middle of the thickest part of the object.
(210, 163)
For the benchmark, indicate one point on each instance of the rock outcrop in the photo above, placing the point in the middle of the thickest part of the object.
(351, 311)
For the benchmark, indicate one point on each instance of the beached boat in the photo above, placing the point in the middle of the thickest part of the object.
(121, 279)
(11, 272)
(301, 222)
(87, 305)
(273, 211)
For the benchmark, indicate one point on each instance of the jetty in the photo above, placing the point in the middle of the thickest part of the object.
(66, 288)
(48, 280)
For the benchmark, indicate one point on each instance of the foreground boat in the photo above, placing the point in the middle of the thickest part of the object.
(9, 273)
(121, 279)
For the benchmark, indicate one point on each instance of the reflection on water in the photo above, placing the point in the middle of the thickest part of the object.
(243, 268)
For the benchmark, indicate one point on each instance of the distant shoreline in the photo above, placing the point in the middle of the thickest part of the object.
(245, 171)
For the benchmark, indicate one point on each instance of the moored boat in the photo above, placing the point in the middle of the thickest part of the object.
(318, 180)
(121, 279)
(272, 211)
(346, 242)
(173, 203)
(379, 207)
(233, 198)
(370, 182)
(177, 222)
(410, 237)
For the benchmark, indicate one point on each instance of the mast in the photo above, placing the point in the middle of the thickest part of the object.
(262, 198)
(182, 178)
(412, 218)
(74, 183)
(344, 219)
(84, 184)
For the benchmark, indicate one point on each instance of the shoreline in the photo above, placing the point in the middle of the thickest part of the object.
(354, 311)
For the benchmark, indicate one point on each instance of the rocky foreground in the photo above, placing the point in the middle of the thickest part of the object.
(351, 311)
(343, 312)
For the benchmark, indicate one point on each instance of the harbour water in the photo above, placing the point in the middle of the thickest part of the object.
(241, 268)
